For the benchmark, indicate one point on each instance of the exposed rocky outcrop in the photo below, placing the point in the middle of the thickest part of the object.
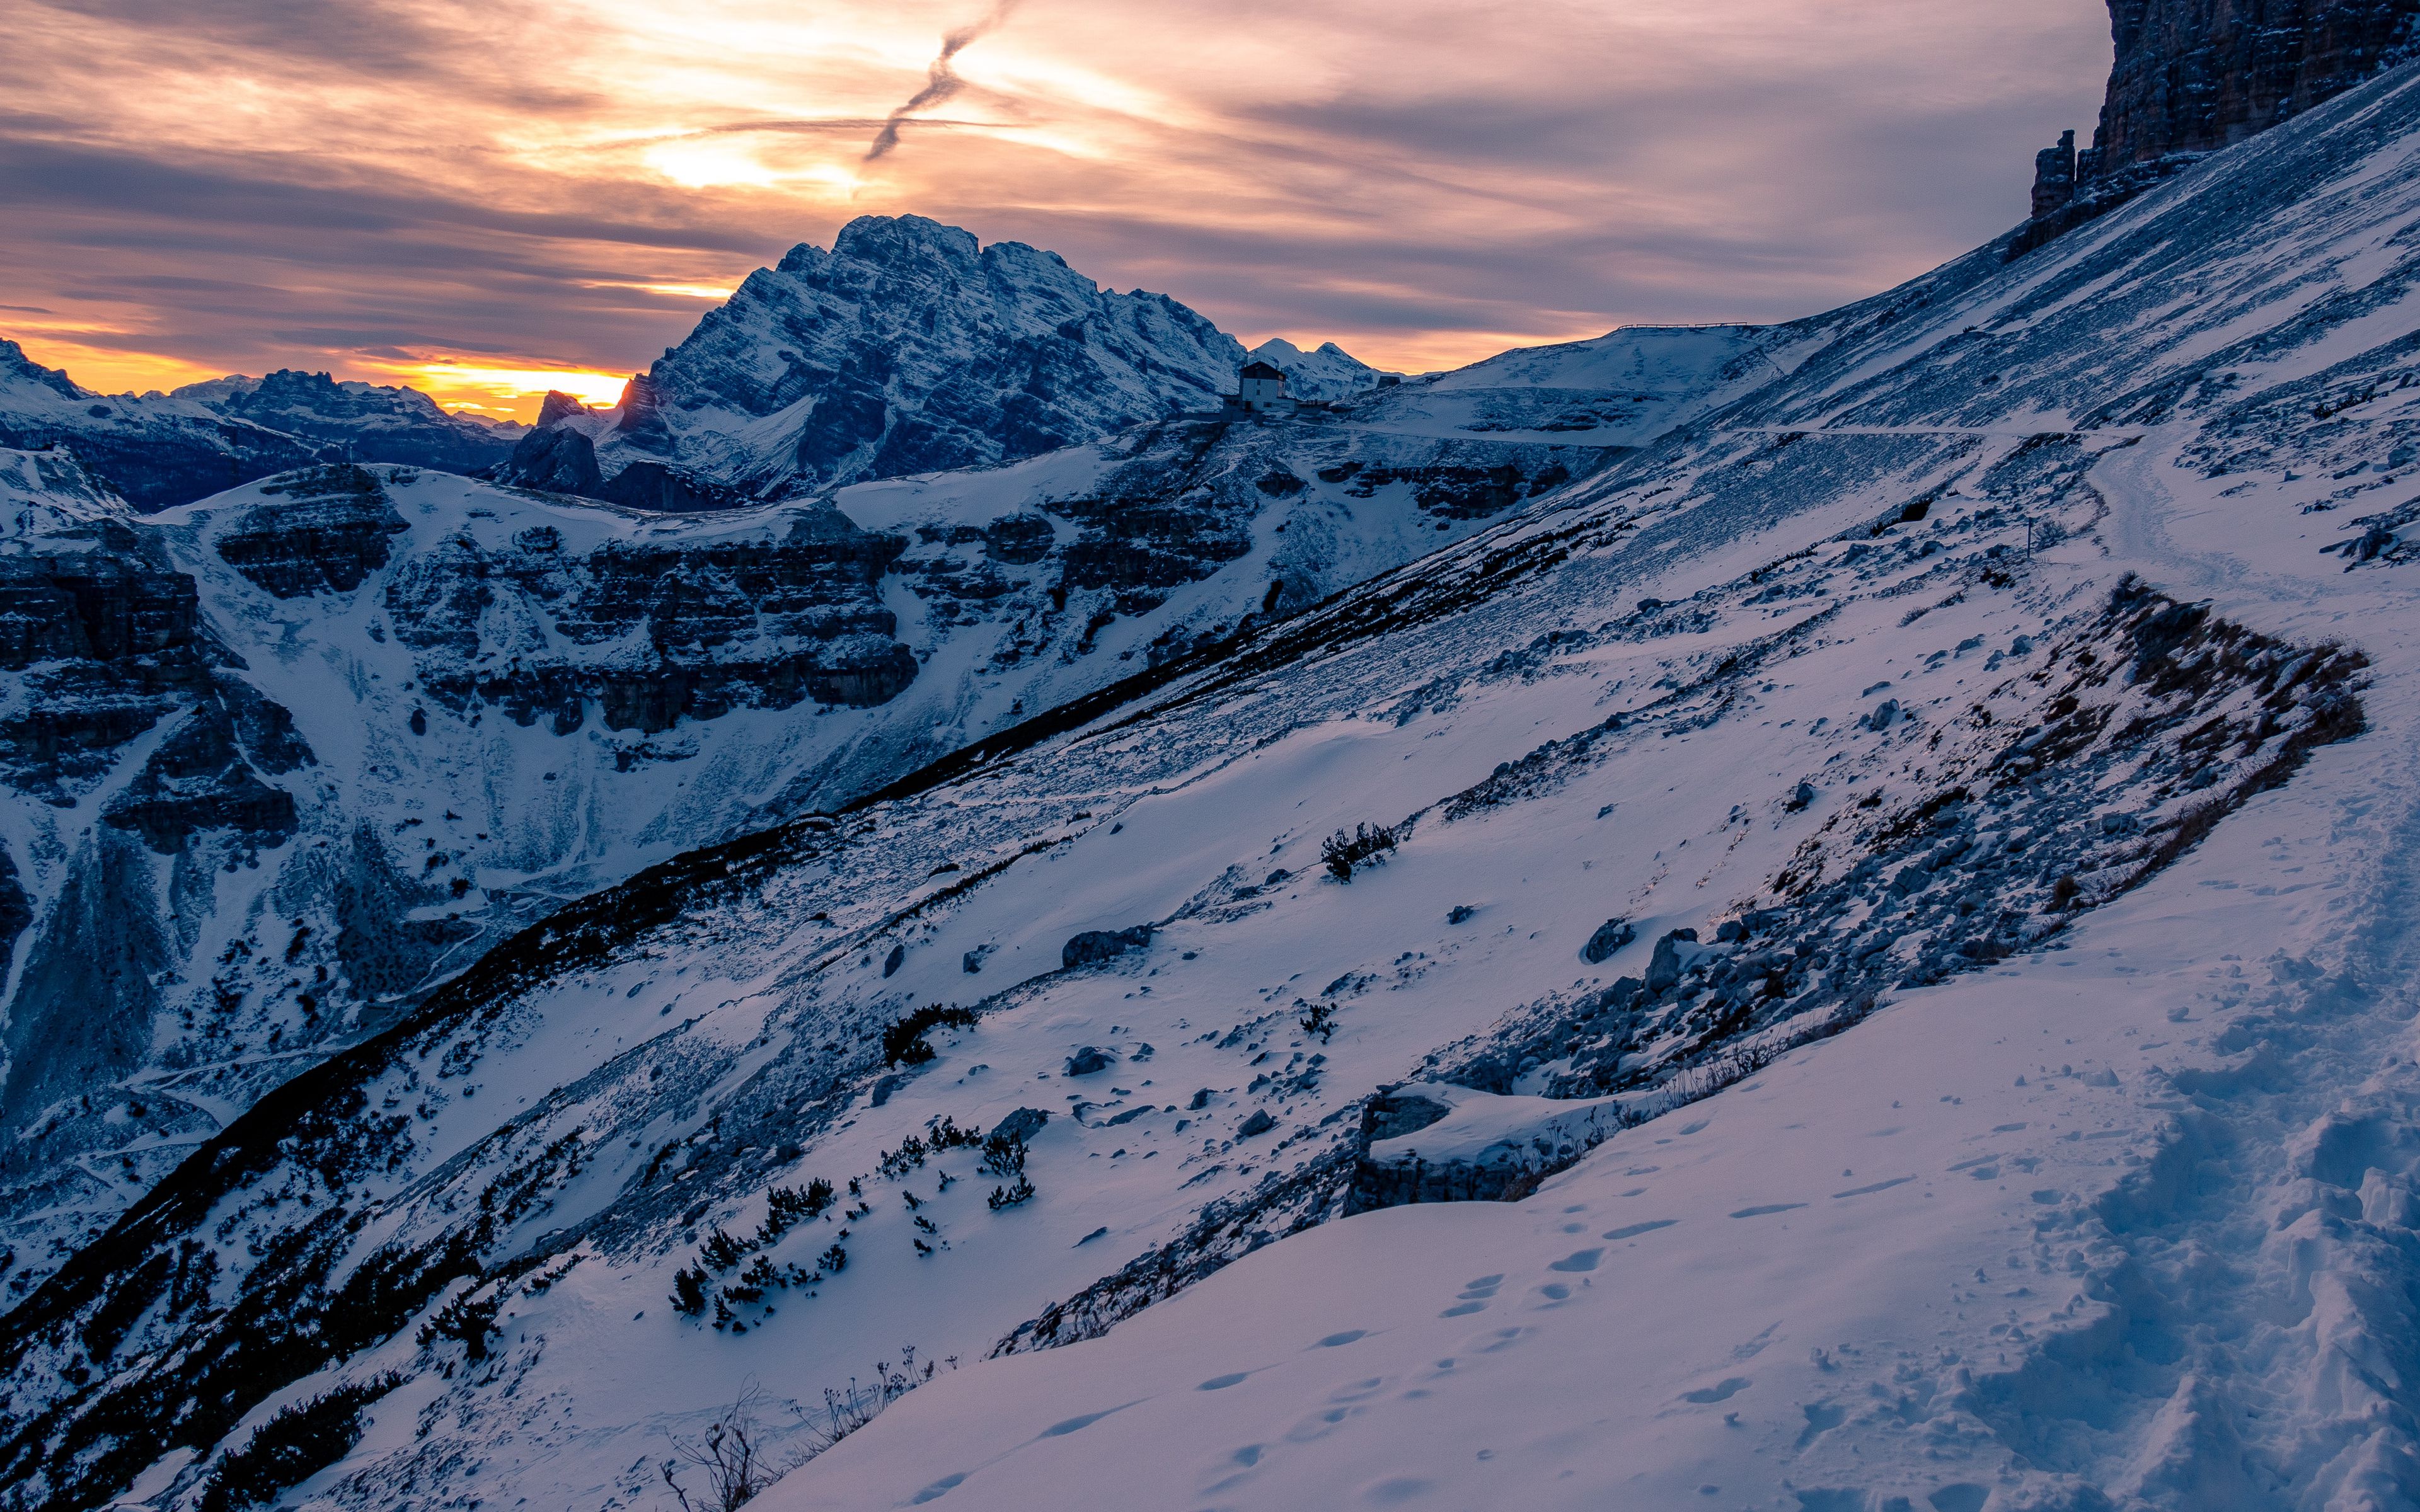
(1433, 1142)
(2198, 75)
(331, 535)
(689, 631)
(2194, 76)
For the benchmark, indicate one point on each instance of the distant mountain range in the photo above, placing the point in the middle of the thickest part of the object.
(908, 348)
(160, 450)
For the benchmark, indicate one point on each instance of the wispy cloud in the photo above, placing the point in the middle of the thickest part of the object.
(940, 80)
(256, 183)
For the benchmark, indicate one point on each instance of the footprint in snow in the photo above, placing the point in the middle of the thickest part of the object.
(1578, 1260)
(1061, 1429)
(1878, 1186)
(1222, 1382)
(1721, 1391)
(1821, 1418)
(938, 1490)
(1320, 1424)
(1634, 1231)
(1769, 1207)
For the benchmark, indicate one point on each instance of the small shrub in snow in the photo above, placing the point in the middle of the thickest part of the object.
(789, 1206)
(845, 1412)
(1319, 1019)
(1004, 1153)
(903, 1042)
(1018, 1192)
(689, 1291)
(1341, 853)
(730, 1459)
(467, 1321)
(944, 1133)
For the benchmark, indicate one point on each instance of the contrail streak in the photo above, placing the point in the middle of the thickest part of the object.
(940, 80)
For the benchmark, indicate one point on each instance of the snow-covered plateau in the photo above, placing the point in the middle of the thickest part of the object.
(1893, 875)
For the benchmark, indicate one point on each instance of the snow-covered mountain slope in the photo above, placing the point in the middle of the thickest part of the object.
(45, 491)
(160, 450)
(1975, 689)
(387, 716)
(1621, 389)
(1328, 374)
(908, 348)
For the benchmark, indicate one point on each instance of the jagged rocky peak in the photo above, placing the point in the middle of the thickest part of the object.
(556, 405)
(15, 364)
(908, 347)
(2193, 76)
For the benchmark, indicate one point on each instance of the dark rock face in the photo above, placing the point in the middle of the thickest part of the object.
(2054, 176)
(560, 458)
(197, 780)
(2198, 75)
(84, 1007)
(555, 458)
(332, 538)
(105, 644)
(1611, 936)
(754, 624)
(1021, 1125)
(2194, 76)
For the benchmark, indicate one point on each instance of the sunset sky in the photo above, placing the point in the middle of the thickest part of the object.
(485, 200)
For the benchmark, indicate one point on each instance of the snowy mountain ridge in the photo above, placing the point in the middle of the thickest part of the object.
(1967, 751)
(161, 449)
(908, 347)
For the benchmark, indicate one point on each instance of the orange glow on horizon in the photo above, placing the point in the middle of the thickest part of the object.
(504, 392)
(1431, 351)
(109, 369)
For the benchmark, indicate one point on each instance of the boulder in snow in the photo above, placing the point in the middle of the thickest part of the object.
(1611, 936)
(1435, 1142)
(1098, 945)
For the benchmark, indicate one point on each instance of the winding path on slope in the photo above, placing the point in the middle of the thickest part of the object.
(2263, 1348)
